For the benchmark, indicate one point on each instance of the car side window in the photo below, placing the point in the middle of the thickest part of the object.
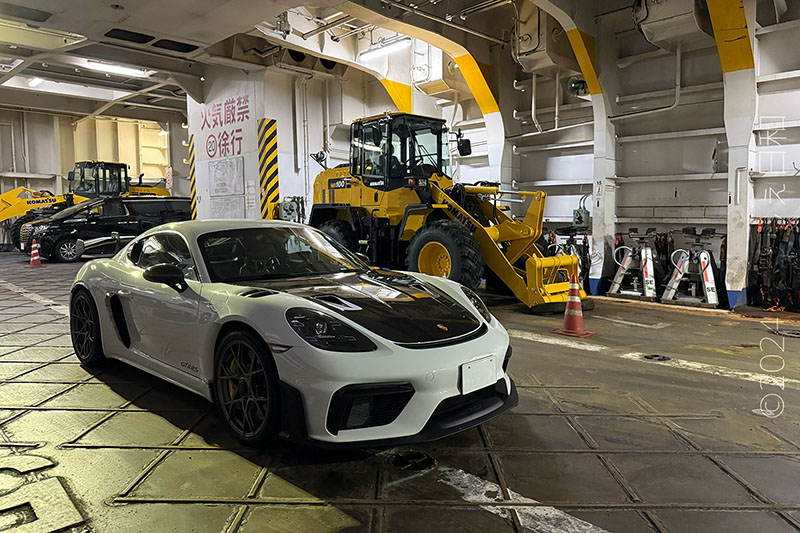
(114, 208)
(150, 208)
(180, 207)
(167, 248)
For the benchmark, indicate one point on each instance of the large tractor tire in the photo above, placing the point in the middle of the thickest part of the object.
(447, 249)
(16, 227)
(342, 232)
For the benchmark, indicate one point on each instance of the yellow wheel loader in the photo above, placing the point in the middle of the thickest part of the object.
(89, 179)
(395, 203)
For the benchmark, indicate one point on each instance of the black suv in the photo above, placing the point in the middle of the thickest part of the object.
(96, 220)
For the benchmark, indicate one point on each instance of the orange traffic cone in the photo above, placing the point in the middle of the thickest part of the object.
(573, 316)
(35, 261)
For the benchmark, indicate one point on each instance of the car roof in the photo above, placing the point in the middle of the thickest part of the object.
(191, 229)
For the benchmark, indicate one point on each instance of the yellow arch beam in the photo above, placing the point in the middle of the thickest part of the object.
(583, 46)
(401, 95)
(477, 83)
(731, 34)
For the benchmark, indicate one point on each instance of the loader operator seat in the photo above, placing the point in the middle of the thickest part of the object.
(396, 168)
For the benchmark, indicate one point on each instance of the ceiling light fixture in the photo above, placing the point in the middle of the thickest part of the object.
(111, 68)
(385, 49)
(35, 82)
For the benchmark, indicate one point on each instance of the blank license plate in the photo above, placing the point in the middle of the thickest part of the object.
(478, 374)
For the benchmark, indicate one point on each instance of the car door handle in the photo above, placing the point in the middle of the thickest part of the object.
(123, 292)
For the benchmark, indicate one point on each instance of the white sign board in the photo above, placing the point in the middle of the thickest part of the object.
(226, 146)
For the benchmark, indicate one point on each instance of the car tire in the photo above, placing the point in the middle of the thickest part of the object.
(248, 403)
(342, 232)
(66, 250)
(84, 328)
(446, 248)
(16, 229)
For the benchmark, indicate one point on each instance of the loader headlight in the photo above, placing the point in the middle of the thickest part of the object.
(325, 332)
(478, 303)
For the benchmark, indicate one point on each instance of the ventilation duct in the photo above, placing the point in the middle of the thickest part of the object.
(248, 51)
(542, 45)
(665, 23)
(435, 73)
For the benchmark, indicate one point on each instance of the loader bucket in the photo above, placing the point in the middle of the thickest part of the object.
(548, 278)
(509, 246)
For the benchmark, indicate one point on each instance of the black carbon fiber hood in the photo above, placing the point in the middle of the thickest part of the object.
(392, 305)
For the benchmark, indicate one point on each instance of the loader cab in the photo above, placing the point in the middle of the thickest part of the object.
(398, 150)
(94, 179)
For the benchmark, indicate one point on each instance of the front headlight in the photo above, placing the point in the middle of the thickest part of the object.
(325, 332)
(478, 303)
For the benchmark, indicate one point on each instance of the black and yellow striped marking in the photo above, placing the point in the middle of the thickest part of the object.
(192, 177)
(268, 165)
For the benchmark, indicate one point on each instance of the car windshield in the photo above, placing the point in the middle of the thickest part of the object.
(68, 212)
(273, 253)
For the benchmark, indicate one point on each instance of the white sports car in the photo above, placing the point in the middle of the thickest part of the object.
(289, 333)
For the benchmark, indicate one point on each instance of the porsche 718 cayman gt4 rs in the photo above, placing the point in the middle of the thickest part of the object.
(290, 333)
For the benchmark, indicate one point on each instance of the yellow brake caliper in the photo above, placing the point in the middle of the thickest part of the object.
(231, 387)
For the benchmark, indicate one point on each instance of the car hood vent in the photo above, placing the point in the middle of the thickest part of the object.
(257, 293)
(338, 303)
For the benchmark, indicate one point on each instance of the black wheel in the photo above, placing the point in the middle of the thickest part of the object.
(84, 328)
(446, 248)
(342, 232)
(16, 228)
(246, 387)
(66, 250)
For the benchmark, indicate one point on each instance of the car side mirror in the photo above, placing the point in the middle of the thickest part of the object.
(70, 175)
(464, 147)
(169, 275)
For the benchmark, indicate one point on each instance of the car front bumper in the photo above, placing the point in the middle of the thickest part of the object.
(313, 383)
(452, 415)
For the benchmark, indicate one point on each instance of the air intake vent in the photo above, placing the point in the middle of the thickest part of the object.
(175, 46)
(20, 12)
(337, 303)
(257, 293)
(130, 36)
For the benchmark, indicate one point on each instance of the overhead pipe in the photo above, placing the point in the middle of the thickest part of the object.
(674, 104)
(557, 98)
(306, 150)
(533, 104)
(325, 27)
(25, 146)
(440, 20)
(481, 7)
(354, 31)
(556, 126)
(551, 130)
